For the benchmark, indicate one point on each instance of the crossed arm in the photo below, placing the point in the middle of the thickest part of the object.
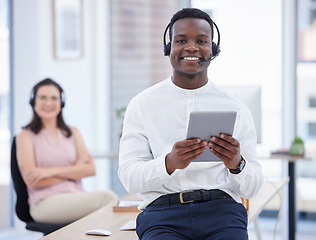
(39, 177)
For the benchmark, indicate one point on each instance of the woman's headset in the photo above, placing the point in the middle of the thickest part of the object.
(215, 46)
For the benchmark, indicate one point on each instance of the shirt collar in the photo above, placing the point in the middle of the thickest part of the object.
(190, 91)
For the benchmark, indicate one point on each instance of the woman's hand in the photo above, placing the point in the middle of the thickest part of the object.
(85, 163)
(36, 174)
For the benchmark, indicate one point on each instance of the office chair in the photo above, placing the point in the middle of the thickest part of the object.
(22, 207)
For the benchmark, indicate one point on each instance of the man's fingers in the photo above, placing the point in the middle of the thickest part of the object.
(195, 154)
(188, 142)
(229, 139)
(225, 149)
(231, 145)
(190, 145)
(220, 152)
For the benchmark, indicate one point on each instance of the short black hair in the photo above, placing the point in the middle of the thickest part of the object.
(189, 13)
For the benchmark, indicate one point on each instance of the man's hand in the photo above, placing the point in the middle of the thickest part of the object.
(183, 153)
(227, 149)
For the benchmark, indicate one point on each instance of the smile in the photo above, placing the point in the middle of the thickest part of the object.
(47, 109)
(191, 58)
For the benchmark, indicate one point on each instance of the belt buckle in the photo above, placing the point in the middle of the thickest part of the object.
(181, 197)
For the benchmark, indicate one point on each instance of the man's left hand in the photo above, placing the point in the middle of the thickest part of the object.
(227, 149)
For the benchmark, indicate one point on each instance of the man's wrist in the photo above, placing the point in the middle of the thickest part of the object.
(240, 166)
(169, 168)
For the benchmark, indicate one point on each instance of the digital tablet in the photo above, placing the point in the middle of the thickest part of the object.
(204, 125)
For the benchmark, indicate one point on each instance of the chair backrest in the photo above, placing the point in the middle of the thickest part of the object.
(22, 207)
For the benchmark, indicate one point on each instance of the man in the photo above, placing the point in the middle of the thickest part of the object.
(156, 158)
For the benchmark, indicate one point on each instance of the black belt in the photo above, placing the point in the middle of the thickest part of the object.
(190, 197)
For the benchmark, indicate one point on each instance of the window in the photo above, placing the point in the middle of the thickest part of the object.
(5, 136)
(4, 92)
(312, 129)
(312, 102)
(306, 102)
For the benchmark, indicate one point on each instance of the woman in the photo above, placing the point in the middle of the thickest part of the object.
(53, 159)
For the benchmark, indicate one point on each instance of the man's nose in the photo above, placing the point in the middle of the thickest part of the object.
(191, 46)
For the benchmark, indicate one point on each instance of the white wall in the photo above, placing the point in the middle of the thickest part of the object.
(4, 209)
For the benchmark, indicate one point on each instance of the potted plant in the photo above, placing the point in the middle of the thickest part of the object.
(297, 147)
(120, 113)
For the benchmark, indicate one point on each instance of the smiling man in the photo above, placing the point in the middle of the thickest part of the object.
(183, 199)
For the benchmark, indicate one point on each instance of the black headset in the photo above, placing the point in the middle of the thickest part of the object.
(33, 96)
(215, 46)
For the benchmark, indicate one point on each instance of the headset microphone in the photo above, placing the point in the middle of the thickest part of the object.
(202, 62)
(215, 49)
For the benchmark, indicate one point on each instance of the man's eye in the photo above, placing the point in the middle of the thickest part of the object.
(202, 41)
(181, 41)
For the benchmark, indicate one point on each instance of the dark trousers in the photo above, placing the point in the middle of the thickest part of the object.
(222, 219)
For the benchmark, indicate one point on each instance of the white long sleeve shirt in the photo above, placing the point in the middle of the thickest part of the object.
(157, 118)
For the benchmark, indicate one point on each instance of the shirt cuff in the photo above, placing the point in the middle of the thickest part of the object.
(238, 179)
(160, 166)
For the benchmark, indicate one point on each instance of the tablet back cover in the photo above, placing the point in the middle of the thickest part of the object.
(204, 125)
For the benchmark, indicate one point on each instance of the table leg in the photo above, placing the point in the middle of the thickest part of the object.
(292, 205)
(257, 228)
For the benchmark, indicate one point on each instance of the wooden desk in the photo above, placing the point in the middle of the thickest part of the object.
(106, 219)
(99, 219)
(109, 155)
(103, 218)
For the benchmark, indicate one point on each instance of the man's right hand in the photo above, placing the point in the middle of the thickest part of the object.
(183, 153)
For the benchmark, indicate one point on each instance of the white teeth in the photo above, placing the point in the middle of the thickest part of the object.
(191, 58)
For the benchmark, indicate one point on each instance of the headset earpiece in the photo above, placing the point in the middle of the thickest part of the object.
(62, 104)
(32, 99)
(166, 49)
(32, 102)
(62, 101)
(215, 50)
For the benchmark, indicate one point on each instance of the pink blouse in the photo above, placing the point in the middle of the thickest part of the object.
(48, 153)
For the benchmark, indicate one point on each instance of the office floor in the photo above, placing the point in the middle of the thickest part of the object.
(306, 230)
(11, 234)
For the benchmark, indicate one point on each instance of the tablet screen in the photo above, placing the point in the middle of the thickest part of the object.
(204, 125)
